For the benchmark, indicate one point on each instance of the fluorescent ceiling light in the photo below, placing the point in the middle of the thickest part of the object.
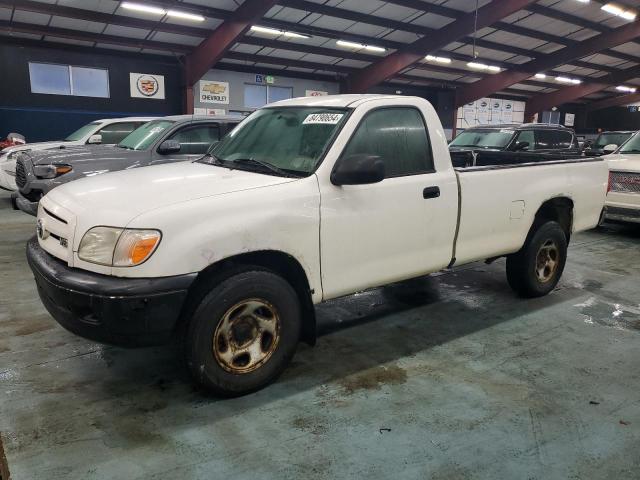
(432, 58)
(540, 75)
(617, 10)
(575, 81)
(185, 16)
(143, 8)
(584, 1)
(483, 66)
(275, 31)
(359, 46)
(624, 88)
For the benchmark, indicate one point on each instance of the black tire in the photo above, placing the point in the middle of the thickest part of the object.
(244, 285)
(523, 268)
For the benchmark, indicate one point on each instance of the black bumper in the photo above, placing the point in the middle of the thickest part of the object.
(128, 312)
(624, 215)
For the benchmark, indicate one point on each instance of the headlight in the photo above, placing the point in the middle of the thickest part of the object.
(118, 247)
(51, 171)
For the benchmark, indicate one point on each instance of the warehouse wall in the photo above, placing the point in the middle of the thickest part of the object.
(237, 81)
(47, 117)
(614, 118)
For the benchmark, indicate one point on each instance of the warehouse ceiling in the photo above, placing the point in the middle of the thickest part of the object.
(587, 48)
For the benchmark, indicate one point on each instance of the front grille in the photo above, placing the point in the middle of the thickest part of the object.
(624, 182)
(21, 174)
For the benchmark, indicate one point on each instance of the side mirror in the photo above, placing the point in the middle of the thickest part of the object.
(169, 146)
(587, 144)
(358, 169)
(95, 139)
(612, 147)
(521, 146)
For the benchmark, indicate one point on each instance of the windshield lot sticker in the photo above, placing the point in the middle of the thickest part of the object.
(323, 119)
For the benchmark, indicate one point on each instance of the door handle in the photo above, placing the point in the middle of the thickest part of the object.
(431, 192)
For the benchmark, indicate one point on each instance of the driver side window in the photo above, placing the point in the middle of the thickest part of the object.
(529, 137)
(398, 136)
(196, 140)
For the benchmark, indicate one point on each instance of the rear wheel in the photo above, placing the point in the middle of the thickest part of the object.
(536, 269)
(243, 333)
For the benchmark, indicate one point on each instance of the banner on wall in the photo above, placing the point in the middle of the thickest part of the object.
(569, 119)
(214, 92)
(490, 111)
(315, 93)
(145, 85)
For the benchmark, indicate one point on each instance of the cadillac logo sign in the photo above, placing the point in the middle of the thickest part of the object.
(147, 85)
(144, 85)
(42, 232)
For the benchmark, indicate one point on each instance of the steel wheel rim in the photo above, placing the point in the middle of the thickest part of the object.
(547, 261)
(247, 336)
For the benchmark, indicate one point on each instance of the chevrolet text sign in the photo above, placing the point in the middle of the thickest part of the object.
(214, 92)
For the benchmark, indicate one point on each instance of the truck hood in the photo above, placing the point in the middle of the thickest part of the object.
(117, 198)
(625, 162)
(39, 146)
(72, 154)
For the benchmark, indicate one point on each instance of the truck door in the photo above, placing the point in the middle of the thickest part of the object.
(399, 228)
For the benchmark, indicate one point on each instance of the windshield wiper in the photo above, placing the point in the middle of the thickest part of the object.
(211, 159)
(264, 165)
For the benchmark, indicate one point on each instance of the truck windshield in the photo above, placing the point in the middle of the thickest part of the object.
(143, 137)
(483, 138)
(632, 146)
(82, 132)
(605, 139)
(291, 139)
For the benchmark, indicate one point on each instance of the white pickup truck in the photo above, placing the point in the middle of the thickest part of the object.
(306, 200)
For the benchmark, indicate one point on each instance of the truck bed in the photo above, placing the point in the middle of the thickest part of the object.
(499, 199)
(480, 158)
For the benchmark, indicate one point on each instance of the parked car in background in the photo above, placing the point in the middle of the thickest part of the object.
(526, 137)
(167, 139)
(101, 132)
(606, 143)
(230, 253)
(623, 195)
(12, 140)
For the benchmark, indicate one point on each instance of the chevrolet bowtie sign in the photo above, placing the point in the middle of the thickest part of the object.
(214, 92)
(144, 85)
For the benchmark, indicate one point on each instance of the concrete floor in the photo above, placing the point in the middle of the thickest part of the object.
(451, 377)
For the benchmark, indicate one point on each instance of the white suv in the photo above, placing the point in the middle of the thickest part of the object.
(106, 131)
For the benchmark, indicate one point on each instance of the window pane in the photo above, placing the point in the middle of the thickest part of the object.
(48, 78)
(527, 136)
(255, 96)
(116, 132)
(398, 136)
(90, 82)
(564, 139)
(144, 136)
(197, 140)
(546, 139)
(280, 93)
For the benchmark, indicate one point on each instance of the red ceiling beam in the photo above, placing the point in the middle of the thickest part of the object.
(614, 102)
(394, 63)
(545, 101)
(213, 48)
(91, 37)
(507, 78)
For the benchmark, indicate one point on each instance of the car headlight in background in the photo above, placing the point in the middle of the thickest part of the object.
(51, 171)
(118, 247)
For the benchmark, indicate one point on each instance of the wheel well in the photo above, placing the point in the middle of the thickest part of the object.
(559, 209)
(278, 262)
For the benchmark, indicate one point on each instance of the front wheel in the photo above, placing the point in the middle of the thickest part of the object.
(243, 333)
(536, 269)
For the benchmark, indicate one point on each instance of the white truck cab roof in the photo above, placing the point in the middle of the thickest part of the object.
(338, 101)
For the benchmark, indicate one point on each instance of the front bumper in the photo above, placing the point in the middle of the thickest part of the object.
(26, 205)
(129, 312)
(619, 214)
